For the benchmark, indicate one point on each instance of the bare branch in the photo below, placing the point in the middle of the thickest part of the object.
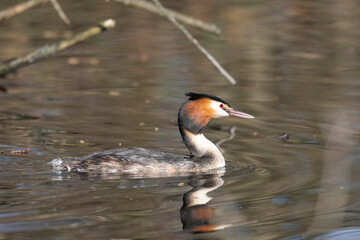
(179, 16)
(196, 43)
(51, 49)
(60, 12)
(20, 8)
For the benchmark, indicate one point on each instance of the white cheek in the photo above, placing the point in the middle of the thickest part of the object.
(219, 112)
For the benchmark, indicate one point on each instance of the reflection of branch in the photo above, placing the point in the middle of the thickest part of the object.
(196, 43)
(52, 49)
(231, 137)
(20, 8)
(179, 16)
(336, 177)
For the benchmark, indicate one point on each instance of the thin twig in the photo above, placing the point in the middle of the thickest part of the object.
(179, 16)
(60, 12)
(196, 43)
(231, 137)
(51, 49)
(20, 8)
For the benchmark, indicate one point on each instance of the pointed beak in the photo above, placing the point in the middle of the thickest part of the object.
(236, 113)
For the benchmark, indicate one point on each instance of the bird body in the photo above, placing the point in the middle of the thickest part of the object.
(194, 115)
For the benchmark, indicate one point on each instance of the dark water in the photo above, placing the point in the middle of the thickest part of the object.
(297, 67)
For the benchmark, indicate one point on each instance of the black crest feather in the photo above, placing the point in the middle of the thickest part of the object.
(195, 96)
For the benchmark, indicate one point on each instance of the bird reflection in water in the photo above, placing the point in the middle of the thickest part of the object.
(195, 213)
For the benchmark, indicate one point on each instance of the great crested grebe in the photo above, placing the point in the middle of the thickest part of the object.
(194, 114)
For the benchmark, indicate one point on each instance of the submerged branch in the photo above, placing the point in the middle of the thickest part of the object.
(196, 43)
(52, 49)
(20, 8)
(179, 16)
(231, 137)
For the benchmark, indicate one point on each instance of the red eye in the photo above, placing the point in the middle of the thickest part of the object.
(221, 105)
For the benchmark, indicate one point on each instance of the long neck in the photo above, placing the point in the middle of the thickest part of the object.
(202, 148)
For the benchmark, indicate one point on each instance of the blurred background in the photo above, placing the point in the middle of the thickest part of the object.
(297, 69)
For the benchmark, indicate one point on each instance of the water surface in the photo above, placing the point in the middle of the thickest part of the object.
(297, 67)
